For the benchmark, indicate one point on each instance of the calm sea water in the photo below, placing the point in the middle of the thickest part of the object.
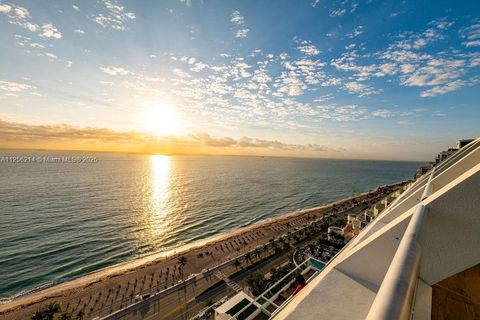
(60, 220)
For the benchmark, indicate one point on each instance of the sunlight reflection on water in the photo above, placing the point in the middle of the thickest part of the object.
(159, 210)
(61, 221)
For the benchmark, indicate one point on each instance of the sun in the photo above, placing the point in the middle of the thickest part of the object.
(161, 119)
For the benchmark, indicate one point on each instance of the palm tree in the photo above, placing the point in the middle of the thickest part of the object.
(257, 252)
(81, 314)
(51, 309)
(237, 264)
(182, 261)
(65, 316)
(39, 315)
(248, 256)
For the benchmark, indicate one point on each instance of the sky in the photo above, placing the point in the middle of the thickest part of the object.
(395, 80)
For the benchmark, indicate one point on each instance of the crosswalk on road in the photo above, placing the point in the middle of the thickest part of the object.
(232, 284)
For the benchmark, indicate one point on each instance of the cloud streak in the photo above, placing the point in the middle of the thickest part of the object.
(193, 143)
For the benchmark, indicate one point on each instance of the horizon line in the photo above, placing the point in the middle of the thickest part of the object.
(211, 155)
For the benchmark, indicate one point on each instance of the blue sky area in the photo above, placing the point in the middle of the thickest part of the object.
(348, 79)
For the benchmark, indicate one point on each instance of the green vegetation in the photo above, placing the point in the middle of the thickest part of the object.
(334, 243)
(258, 284)
(48, 312)
(237, 264)
(80, 315)
(256, 281)
(338, 223)
(209, 303)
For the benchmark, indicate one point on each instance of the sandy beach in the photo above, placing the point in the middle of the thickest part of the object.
(113, 288)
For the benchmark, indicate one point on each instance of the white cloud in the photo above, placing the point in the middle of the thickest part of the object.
(37, 45)
(242, 33)
(445, 71)
(105, 83)
(315, 3)
(325, 97)
(356, 32)
(475, 43)
(10, 86)
(114, 71)
(345, 113)
(239, 22)
(76, 8)
(5, 8)
(404, 56)
(360, 88)
(471, 35)
(383, 113)
(180, 73)
(79, 31)
(337, 13)
(49, 31)
(187, 2)
(420, 40)
(439, 90)
(114, 17)
(20, 16)
(51, 56)
(407, 68)
(199, 66)
(442, 24)
(21, 12)
(291, 85)
(237, 18)
(308, 48)
(347, 62)
(386, 113)
(436, 72)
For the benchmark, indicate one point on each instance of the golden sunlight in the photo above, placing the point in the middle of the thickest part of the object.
(155, 222)
(160, 183)
(161, 119)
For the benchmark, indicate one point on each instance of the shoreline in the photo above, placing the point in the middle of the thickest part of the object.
(61, 290)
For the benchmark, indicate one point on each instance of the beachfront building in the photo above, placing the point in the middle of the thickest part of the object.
(419, 259)
(351, 218)
(353, 226)
(463, 142)
(334, 233)
(356, 223)
(442, 156)
(426, 252)
(422, 170)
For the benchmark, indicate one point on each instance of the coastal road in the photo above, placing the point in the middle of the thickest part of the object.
(186, 301)
(183, 301)
(215, 294)
(176, 300)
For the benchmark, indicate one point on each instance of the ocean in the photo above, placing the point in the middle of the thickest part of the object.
(61, 219)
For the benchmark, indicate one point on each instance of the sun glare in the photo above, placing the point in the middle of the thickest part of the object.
(161, 119)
